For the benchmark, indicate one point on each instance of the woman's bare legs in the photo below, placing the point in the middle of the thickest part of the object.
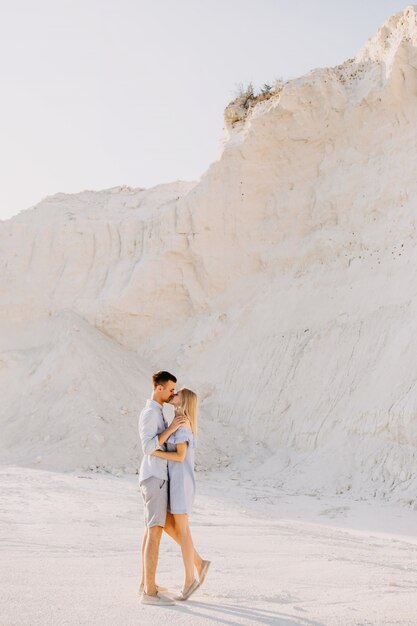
(173, 531)
(187, 548)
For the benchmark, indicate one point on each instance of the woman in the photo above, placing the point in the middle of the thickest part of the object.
(180, 457)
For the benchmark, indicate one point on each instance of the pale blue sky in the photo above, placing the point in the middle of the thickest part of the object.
(97, 93)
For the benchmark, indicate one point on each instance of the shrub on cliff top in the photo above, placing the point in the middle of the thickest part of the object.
(246, 98)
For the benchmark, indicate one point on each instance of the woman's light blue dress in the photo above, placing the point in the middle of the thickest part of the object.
(181, 487)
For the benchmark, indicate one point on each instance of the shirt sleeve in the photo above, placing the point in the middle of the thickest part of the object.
(148, 432)
(182, 435)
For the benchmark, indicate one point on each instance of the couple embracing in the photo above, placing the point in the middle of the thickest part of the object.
(167, 484)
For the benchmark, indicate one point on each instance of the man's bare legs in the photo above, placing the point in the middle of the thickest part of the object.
(172, 530)
(151, 552)
(142, 574)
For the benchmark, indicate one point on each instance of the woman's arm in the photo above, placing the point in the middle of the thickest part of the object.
(179, 455)
(177, 422)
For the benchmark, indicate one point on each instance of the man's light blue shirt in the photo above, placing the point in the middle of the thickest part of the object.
(151, 424)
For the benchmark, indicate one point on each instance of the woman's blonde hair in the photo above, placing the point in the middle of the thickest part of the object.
(189, 407)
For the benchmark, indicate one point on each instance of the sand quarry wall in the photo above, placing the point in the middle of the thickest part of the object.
(281, 286)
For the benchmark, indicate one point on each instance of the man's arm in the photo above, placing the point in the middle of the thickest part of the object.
(148, 429)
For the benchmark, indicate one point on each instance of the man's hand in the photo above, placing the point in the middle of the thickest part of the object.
(177, 422)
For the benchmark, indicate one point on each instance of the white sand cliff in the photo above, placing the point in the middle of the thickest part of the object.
(282, 287)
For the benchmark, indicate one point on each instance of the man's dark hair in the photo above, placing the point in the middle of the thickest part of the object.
(161, 378)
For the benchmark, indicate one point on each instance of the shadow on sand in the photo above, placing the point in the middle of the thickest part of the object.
(234, 615)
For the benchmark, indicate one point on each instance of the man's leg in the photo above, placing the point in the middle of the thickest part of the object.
(173, 532)
(142, 574)
(155, 493)
(151, 558)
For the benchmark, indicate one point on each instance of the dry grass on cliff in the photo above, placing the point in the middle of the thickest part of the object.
(246, 99)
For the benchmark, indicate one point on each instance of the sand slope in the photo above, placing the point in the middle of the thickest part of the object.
(281, 286)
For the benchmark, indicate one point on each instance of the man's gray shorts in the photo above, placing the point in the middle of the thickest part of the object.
(155, 500)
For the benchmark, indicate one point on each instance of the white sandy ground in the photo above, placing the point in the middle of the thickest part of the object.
(70, 546)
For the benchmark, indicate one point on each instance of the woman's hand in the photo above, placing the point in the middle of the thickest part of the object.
(177, 422)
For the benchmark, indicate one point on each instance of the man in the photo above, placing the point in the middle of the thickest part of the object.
(153, 480)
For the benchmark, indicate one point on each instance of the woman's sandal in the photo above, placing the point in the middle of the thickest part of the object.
(206, 565)
(184, 595)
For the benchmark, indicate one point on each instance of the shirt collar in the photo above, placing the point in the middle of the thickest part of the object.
(154, 404)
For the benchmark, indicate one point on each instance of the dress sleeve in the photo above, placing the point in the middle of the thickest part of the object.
(182, 435)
